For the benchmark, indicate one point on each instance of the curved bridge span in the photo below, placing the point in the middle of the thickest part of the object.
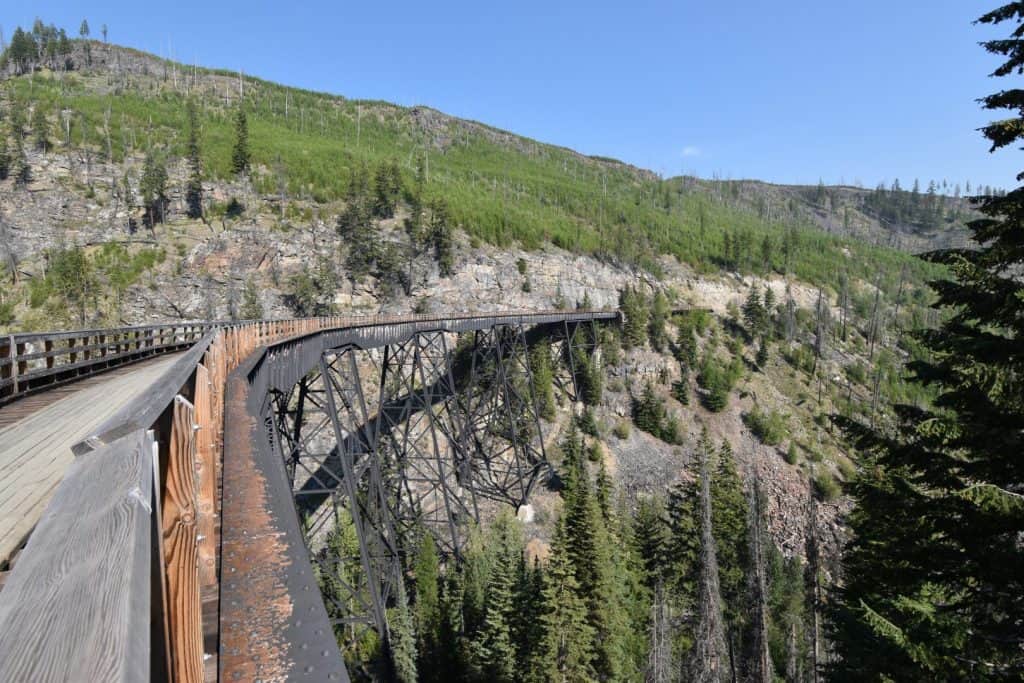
(234, 501)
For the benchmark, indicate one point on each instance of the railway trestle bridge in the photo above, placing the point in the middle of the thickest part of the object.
(230, 501)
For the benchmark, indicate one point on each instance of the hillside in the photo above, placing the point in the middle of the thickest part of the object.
(351, 205)
(102, 115)
(532, 225)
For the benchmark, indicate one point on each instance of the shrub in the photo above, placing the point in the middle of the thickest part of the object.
(6, 313)
(588, 423)
(621, 430)
(856, 372)
(770, 427)
(825, 486)
(791, 455)
(847, 470)
(717, 380)
(681, 391)
(649, 414)
(594, 452)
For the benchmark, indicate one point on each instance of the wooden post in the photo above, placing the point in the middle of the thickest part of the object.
(48, 346)
(180, 546)
(10, 371)
(206, 472)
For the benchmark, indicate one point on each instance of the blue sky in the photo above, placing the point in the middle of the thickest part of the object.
(781, 91)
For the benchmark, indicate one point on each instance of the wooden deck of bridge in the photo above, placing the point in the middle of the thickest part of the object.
(37, 433)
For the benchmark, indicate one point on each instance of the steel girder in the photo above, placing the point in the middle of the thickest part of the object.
(383, 444)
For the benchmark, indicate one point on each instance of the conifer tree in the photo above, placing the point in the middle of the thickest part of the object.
(194, 185)
(681, 387)
(403, 639)
(387, 186)
(543, 381)
(451, 660)
(427, 608)
(762, 353)
(769, 303)
(730, 515)
(5, 157)
(656, 327)
(527, 626)
(441, 237)
(651, 538)
(686, 344)
(40, 128)
(754, 314)
(683, 516)
(240, 160)
(568, 637)
(936, 569)
(153, 187)
(633, 305)
(495, 651)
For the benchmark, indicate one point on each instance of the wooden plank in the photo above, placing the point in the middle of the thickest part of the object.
(76, 606)
(179, 508)
(206, 473)
(35, 451)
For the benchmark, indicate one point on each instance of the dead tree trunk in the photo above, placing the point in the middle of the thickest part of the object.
(760, 667)
(708, 660)
(659, 658)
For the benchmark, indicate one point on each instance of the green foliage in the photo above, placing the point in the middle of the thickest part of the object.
(755, 317)
(6, 313)
(312, 290)
(791, 455)
(194, 184)
(633, 305)
(762, 353)
(252, 307)
(441, 237)
(771, 427)
(649, 414)
(589, 375)
(5, 156)
(656, 327)
(588, 422)
(621, 429)
(568, 644)
(730, 515)
(934, 583)
(717, 380)
(153, 187)
(681, 387)
(686, 343)
(826, 486)
(543, 381)
(240, 158)
(387, 188)
(403, 638)
(40, 128)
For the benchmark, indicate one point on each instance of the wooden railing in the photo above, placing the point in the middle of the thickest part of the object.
(109, 585)
(36, 361)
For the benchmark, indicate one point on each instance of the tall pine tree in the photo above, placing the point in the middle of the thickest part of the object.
(194, 185)
(240, 160)
(935, 587)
